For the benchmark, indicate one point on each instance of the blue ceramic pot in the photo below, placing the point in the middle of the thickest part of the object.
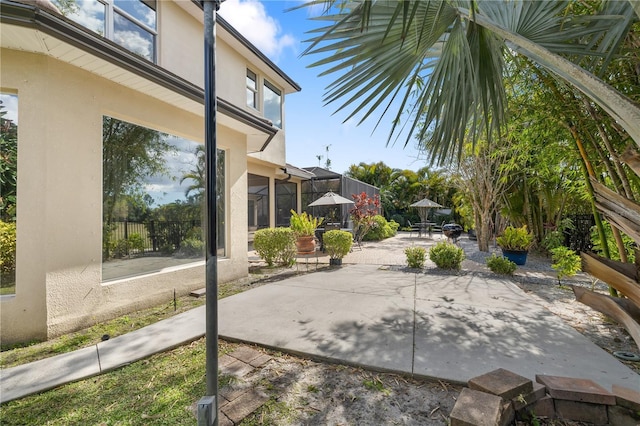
(519, 257)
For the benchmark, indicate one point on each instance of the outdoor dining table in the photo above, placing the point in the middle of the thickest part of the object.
(426, 227)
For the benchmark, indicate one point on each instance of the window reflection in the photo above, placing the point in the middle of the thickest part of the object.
(130, 23)
(8, 191)
(153, 200)
(88, 13)
(133, 37)
(252, 89)
(142, 11)
(272, 104)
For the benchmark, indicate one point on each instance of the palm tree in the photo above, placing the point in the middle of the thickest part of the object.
(444, 60)
(197, 175)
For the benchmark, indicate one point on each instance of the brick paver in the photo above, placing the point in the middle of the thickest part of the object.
(244, 405)
(626, 397)
(479, 409)
(503, 383)
(573, 389)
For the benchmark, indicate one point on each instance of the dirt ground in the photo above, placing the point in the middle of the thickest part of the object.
(308, 392)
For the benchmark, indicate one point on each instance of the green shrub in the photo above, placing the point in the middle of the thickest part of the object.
(613, 247)
(275, 245)
(136, 242)
(398, 218)
(501, 265)
(446, 255)
(167, 249)
(517, 239)
(415, 256)
(565, 261)
(554, 238)
(191, 247)
(304, 223)
(195, 233)
(7, 247)
(337, 243)
(121, 248)
(381, 229)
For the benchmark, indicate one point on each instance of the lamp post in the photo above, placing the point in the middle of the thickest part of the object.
(208, 405)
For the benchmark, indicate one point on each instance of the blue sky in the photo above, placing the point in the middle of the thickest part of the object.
(310, 126)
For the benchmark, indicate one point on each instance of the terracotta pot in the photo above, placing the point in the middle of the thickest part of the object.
(306, 244)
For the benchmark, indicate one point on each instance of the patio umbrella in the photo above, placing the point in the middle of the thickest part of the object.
(423, 207)
(330, 199)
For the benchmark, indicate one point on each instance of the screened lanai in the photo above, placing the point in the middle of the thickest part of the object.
(325, 181)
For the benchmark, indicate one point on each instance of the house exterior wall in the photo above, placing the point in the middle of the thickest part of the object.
(181, 53)
(59, 286)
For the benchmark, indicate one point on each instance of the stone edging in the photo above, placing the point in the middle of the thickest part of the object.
(500, 397)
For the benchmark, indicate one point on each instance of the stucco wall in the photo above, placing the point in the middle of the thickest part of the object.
(182, 53)
(59, 285)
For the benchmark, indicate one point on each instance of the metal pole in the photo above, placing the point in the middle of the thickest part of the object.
(208, 405)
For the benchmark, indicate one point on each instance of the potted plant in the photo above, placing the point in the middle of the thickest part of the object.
(515, 243)
(338, 244)
(304, 227)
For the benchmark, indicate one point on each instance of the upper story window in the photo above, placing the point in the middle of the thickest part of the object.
(252, 89)
(130, 23)
(272, 104)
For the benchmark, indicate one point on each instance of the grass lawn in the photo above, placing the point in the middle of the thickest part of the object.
(160, 390)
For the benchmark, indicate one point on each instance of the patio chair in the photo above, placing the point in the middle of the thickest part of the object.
(437, 228)
(358, 235)
(414, 228)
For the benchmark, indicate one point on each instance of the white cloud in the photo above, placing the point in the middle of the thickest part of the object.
(91, 15)
(135, 42)
(250, 18)
(10, 105)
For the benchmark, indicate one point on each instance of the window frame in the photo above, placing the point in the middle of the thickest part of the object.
(254, 90)
(268, 85)
(109, 30)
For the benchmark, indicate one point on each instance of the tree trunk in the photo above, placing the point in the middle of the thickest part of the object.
(483, 232)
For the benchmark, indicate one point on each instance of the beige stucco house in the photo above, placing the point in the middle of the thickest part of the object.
(137, 64)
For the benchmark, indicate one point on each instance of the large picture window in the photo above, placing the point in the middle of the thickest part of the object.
(153, 200)
(8, 191)
(130, 23)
